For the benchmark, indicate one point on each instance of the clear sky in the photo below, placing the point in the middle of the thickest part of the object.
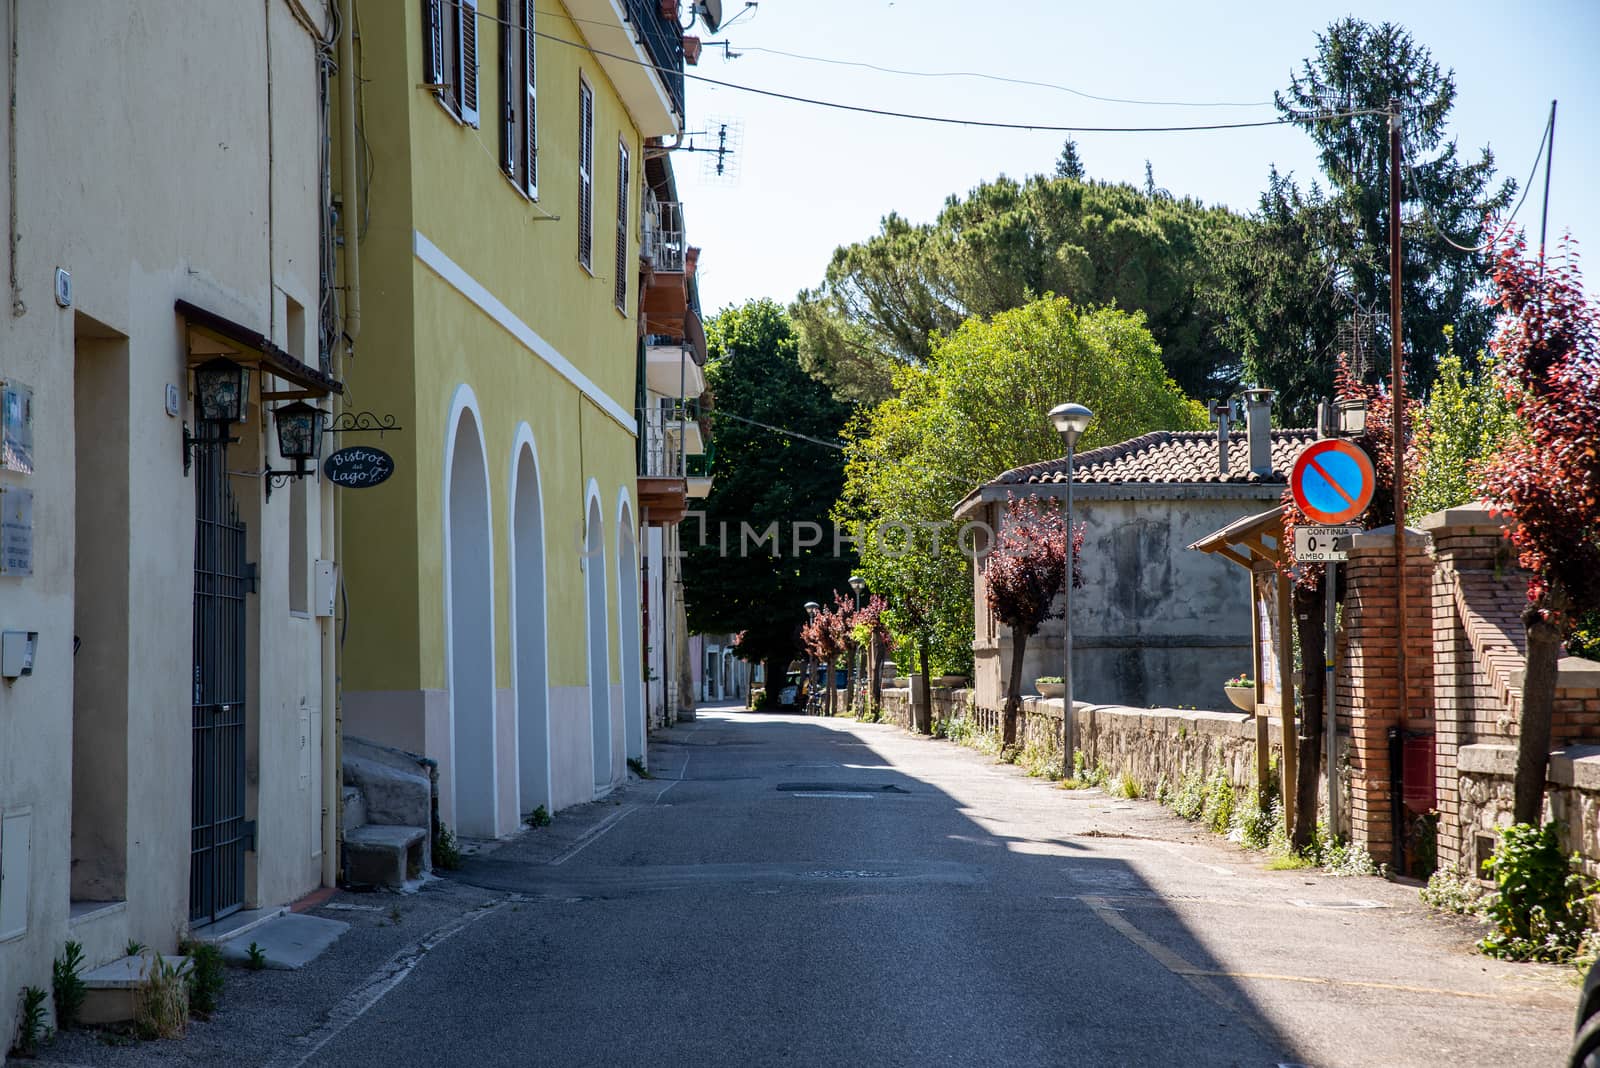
(810, 179)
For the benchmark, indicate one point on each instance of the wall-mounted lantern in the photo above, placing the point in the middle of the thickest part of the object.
(299, 427)
(220, 388)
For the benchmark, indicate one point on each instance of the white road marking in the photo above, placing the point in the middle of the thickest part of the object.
(592, 834)
(355, 1004)
(832, 793)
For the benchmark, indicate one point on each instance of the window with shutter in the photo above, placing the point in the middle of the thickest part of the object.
(467, 62)
(621, 283)
(509, 93)
(433, 42)
(530, 110)
(585, 174)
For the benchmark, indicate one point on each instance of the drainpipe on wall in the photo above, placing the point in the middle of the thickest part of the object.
(13, 236)
(332, 527)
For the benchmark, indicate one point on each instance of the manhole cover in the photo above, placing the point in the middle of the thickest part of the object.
(1339, 906)
(840, 788)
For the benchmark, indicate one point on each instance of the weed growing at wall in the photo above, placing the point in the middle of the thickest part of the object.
(446, 853)
(1125, 785)
(31, 1022)
(68, 986)
(1540, 907)
(161, 1001)
(205, 978)
(1189, 800)
(1449, 891)
(1217, 809)
(1253, 822)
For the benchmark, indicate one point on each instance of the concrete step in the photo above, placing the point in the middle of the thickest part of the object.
(289, 942)
(235, 924)
(110, 988)
(355, 808)
(377, 854)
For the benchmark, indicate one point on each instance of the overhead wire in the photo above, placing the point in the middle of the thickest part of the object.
(948, 120)
(1003, 78)
(1427, 215)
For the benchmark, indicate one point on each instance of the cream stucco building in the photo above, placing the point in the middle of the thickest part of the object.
(161, 765)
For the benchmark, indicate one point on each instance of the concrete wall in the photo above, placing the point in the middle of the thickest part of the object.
(1155, 624)
(475, 301)
(142, 136)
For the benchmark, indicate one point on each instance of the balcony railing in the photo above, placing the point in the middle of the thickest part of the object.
(663, 43)
(661, 455)
(664, 245)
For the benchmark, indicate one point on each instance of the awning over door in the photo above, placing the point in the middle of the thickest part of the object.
(211, 335)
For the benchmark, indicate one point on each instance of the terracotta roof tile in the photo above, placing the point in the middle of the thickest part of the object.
(1167, 456)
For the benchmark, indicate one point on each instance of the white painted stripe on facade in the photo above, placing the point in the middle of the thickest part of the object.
(490, 305)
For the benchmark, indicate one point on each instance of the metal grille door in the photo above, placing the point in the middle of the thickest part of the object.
(217, 836)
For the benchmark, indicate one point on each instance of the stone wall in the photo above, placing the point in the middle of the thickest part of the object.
(1147, 744)
(1485, 774)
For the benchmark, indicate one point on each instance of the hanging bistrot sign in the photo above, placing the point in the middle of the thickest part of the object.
(1332, 481)
(358, 467)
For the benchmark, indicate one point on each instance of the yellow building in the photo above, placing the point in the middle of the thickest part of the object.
(493, 616)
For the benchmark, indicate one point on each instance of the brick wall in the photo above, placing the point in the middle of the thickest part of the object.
(1479, 651)
(1368, 682)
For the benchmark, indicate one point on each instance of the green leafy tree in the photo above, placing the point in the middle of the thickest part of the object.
(974, 410)
(884, 302)
(1069, 164)
(764, 478)
(1466, 419)
(1365, 68)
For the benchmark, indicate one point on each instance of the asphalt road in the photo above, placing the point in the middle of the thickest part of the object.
(803, 891)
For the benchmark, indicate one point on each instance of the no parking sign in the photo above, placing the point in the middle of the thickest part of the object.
(1332, 481)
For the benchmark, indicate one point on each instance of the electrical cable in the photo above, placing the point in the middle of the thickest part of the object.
(1427, 215)
(1011, 81)
(947, 120)
(778, 429)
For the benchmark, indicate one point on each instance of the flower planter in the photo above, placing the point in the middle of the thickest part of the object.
(1243, 697)
(902, 682)
(954, 682)
(1051, 689)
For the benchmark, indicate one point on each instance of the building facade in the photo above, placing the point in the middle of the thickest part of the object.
(496, 612)
(162, 728)
(1154, 624)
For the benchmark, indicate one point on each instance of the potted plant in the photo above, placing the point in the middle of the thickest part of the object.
(954, 682)
(1241, 690)
(1051, 686)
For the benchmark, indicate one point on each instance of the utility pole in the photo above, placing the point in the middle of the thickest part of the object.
(1397, 396)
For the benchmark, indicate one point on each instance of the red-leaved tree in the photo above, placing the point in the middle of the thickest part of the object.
(1023, 575)
(1548, 479)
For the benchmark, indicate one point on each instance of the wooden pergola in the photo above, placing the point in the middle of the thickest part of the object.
(1255, 543)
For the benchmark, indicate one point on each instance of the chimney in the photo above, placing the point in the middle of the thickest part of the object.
(1221, 415)
(1258, 422)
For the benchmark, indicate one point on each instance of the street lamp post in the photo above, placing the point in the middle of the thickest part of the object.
(857, 583)
(807, 682)
(1070, 421)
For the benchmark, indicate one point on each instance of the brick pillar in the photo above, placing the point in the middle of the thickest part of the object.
(1465, 540)
(1368, 686)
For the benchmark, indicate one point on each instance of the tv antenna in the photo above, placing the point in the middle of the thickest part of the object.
(1357, 337)
(719, 143)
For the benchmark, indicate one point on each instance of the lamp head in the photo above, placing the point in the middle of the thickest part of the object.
(857, 583)
(1070, 421)
(812, 608)
(220, 386)
(299, 428)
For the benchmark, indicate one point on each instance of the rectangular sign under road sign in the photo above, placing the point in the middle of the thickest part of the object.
(1315, 545)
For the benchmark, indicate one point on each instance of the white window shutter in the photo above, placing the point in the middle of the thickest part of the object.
(467, 69)
(433, 41)
(530, 112)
